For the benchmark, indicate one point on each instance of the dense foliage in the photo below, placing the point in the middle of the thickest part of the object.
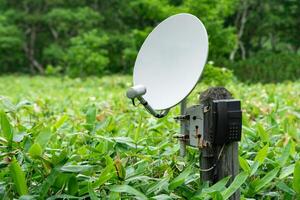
(67, 138)
(266, 66)
(96, 37)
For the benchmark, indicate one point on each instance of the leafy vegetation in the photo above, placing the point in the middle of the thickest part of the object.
(271, 67)
(67, 138)
(81, 38)
(63, 138)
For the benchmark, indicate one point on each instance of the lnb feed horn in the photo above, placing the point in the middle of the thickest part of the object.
(136, 92)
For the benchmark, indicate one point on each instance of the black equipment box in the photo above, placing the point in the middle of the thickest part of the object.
(225, 121)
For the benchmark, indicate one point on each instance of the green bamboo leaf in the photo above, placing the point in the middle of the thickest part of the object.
(244, 164)
(248, 130)
(23, 104)
(262, 154)
(179, 180)
(43, 137)
(114, 196)
(284, 187)
(157, 187)
(254, 168)
(18, 177)
(162, 197)
(260, 183)
(128, 189)
(217, 195)
(205, 193)
(219, 186)
(6, 128)
(236, 184)
(91, 117)
(35, 150)
(47, 183)
(61, 196)
(296, 180)
(105, 175)
(8, 105)
(285, 154)
(76, 168)
(262, 133)
(27, 197)
(61, 121)
(92, 193)
(73, 185)
(286, 171)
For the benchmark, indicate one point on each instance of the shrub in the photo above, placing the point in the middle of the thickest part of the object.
(87, 55)
(11, 52)
(268, 67)
(216, 75)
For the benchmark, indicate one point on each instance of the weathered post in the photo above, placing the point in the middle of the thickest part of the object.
(217, 161)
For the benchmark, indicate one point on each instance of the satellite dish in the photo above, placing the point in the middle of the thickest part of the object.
(171, 60)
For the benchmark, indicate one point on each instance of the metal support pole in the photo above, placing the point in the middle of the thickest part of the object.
(182, 141)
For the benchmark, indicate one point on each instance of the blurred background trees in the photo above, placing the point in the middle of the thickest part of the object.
(98, 37)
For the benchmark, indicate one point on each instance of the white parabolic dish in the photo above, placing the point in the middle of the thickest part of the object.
(171, 60)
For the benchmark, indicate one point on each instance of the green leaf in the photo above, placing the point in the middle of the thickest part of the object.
(260, 183)
(128, 189)
(18, 137)
(62, 196)
(114, 196)
(284, 187)
(92, 193)
(244, 164)
(61, 121)
(162, 197)
(75, 168)
(43, 137)
(47, 183)
(8, 105)
(18, 177)
(219, 186)
(105, 175)
(35, 150)
(73, 185)
(262, 133)
(23, 104)
(236, 184)
(296, 180)
(27, 197)
(157, 187)
(262, 154)
(179, 180)
(91, 117)
(217, 195)
(286, 171)
(6, 128)
(254, 168)
(285, 154)
(206, 192)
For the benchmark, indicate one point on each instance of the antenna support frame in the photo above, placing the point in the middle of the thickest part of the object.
(136, 92)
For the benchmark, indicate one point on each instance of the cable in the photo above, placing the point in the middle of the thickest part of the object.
(215, 164)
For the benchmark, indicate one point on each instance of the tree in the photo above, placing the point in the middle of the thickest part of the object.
(86, 55)
(10, 46)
